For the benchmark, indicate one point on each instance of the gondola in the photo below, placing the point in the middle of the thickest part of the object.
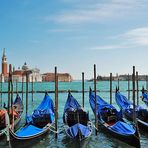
(38, 124)
(76, 120)
(127, 108)
(16, 112)
(144, 96)
(111, 121)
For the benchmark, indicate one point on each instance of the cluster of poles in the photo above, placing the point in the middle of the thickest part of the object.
(135, 85)
(10, 93)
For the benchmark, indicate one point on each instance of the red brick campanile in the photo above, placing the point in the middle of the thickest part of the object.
(4, 63)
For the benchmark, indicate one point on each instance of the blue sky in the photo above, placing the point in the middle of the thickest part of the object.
(75, 34)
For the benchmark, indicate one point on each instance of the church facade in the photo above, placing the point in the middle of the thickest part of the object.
(19, 74)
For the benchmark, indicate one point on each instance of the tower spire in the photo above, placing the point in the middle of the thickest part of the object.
(4, 53)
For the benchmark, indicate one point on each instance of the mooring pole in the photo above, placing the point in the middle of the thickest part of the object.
(110, 88)
(128, 87)
(9, 90)
(11, 85)
(137, 83)
(146, 82)
(22, 87)
(32, 88)
(26, 95)
(56, 102)
(95, 89)
(16, 86)
(1, 91)
(83, 89)
(133, 80)
(118, 81)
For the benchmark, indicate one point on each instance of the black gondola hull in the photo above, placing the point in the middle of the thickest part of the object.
(141, 124)
(16, 124)
(132, 140)
(18, 142)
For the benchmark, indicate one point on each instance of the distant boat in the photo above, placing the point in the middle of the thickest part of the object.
(127, 107)
(16, 112)
(110, 120)
(38, 124)
(76, 120)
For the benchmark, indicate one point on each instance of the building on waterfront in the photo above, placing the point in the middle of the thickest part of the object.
(62, 77)
(4, 71)
(19, 75)
(124, 77)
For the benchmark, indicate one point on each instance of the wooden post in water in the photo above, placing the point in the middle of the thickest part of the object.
(1, 91)
(146, 82)
(128, 87)
(110, 88)
(26, 94)
(32, 88)
(137, 83)
(11, 84)
(118, 81)
(133, 81)
(96, 121)
(9, 90)
(16, 86)
(56, 102)
(83, 89)
(22, 87)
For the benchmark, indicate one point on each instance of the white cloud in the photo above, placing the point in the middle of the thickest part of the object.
(132, 39)
(138, 36)
(109, 47)
(98, 12)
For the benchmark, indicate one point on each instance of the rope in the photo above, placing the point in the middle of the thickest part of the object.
(54, 131)
(2, 132)
(91, 124)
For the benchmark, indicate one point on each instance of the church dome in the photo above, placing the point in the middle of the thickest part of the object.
(25, 66)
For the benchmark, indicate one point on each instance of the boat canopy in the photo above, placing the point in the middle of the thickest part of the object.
(123, 128)
(18, 104)
(145, 98)
(124, 103)
(29, 130)
(71, 103)
(73, 130)
(44, 112)
(101, 104)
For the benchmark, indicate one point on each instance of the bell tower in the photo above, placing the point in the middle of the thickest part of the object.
(4, 63)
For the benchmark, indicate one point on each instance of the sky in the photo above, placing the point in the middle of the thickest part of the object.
(76, 34)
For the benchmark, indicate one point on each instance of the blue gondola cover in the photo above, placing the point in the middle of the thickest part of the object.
(71, 103)
(73, 130)
(45, 111)
(119, 127)
(123, 128)
(29, 130)
(145, 98)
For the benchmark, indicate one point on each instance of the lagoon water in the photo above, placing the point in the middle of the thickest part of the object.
(102, 140)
